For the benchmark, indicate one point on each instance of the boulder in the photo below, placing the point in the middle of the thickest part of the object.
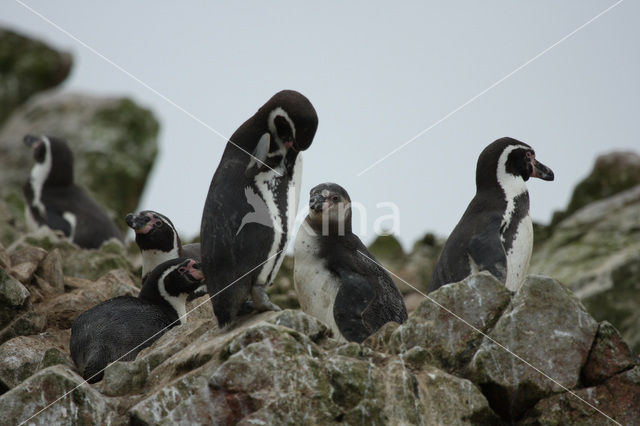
(27, 66)
(448, 341)
(550, 332)
(56, 395)
(113, 141)
(609, 355)
(595, 252)
(12, 293)
(616, 399)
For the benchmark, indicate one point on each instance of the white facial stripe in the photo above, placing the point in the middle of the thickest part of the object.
(152, 258)
(272, 125)
(39, 174)
(177, 302)
(71, 218)
(512, 185)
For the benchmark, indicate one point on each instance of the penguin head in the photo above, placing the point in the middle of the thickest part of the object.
(291, 120)
(181, 276)
(54, 157)
(154, 231)
(329, 209)
(507, 159)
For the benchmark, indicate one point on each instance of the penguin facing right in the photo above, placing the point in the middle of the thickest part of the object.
(334, 276)
(54, 200)
(252, 204)
(495, 233)
(127, 324)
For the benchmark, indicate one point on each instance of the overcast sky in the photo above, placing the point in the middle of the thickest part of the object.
(378, 74)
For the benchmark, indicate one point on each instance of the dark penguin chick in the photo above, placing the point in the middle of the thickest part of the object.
(495, 233)
(252, 203)
(120, 328)
(159, 241)
(333, 277)
(53, 199)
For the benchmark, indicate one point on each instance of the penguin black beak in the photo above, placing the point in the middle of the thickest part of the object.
(31, 140)
(316, 202)
(541, 171)
(136, 222)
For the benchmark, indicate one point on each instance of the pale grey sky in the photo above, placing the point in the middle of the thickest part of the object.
(378, 73)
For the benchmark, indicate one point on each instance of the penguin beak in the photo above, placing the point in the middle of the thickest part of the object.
(137, 222)
(195, 271)
(31, 141)
(541, 171)
(316, 202)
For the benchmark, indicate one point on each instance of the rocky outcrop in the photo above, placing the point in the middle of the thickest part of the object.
(27, 67)
(113, 141)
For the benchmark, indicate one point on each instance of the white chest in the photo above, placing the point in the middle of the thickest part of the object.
(519, 255)
(315, 285)
(268, 183)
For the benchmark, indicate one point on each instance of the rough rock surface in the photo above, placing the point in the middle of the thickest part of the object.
(547, 327)
(609, 355)
(596, 253)
(27, 66)
(113, 141)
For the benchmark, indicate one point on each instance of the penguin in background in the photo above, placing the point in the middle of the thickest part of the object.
(252, 202)
(119, 328)
(336, 278)
(54, 200)
(158, 241)
(495, 233)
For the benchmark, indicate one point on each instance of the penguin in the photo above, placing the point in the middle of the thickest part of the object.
(495, 233)
(336, 278)
(159, 241)
(119, 328)
(260, 169)
(54, 200)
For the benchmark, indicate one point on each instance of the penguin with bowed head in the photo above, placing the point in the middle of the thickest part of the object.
(252, 203)
(54, 200)
(337, 279)
(495, 233)
(158, 241)
(118, 329)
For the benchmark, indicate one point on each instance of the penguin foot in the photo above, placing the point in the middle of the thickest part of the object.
(261, 300)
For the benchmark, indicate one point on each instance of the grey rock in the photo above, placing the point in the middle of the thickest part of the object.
(26, 323)
(609, 355)
(546, 326)
(12, 292)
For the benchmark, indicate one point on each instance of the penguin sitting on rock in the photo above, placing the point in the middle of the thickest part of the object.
(252, 204)
(119, 328)
(337, 279)
(159, 241)
(54, 200)
(495, 233)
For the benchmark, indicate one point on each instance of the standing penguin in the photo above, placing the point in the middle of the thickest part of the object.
(334, 274)
(127, 324)
(252, 203)
(495, 233)
(159, 241)
(53, 199)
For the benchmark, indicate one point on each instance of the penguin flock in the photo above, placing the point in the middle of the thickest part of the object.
(247, 223)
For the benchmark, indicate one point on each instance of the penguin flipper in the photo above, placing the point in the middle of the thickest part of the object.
(487, 252)
(352, 300)
(55, 220)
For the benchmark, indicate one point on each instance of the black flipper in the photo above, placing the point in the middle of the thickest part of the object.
(487, 251)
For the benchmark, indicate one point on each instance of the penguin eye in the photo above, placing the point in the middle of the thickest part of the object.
(334, 198)
(182, 269)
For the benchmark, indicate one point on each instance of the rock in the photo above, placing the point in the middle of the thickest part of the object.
(27, 66)
(25, 324)
(609, 355)
(616, 399)
(25, 262)
(5, 259)
(113, 141)
(56, 395)
(12, 292)
(51, 270)
(448, 341)
(419, 264)
(64, 309)
(549, 328)
(612, 173)
(596, 253)
(22, 356)
(282, 291)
